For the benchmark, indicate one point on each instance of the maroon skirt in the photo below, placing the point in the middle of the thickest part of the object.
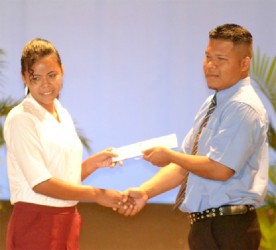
(40, 227)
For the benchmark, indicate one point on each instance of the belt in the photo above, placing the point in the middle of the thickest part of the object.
(220, 211)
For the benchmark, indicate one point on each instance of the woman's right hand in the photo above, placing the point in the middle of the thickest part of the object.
(138, 197)
(113, 199)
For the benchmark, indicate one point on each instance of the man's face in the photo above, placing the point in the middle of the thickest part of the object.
(224, 64)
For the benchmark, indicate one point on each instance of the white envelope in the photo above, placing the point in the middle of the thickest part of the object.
(134, 150)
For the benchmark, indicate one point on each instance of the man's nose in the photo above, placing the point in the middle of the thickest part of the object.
(211, 64)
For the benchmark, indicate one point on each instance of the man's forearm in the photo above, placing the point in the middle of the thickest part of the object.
(166, 179)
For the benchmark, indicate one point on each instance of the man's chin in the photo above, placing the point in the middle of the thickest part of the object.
(211, 86)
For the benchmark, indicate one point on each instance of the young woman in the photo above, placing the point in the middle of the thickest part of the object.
(44, 160)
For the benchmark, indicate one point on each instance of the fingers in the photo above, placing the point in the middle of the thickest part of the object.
(147, 151)
(127, 205)
(134, 200)
(120, 163)
(127, 210)
(147, 154)
(105, 163)
(114, 163)
(109, 163)
(109, 152)
(130, 211)
(107, 159)
(124, 207)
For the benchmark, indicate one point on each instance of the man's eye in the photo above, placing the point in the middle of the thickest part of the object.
(53, 76)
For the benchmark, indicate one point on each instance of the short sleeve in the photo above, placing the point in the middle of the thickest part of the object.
(241, 128)
(23, 142)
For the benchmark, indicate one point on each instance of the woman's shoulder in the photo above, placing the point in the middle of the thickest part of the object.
(24, 110)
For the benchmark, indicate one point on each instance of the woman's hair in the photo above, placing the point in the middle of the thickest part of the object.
(234, 33)
(35, 50)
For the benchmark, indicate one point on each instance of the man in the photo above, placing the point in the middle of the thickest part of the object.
(224, 156)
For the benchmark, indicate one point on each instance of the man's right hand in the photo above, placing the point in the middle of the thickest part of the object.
(140, 197)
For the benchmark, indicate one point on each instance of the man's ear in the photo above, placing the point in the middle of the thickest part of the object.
(246, 63)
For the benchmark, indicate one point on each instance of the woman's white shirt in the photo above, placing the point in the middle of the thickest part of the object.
(39, 148)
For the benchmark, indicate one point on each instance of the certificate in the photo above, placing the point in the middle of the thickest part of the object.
(135, 149)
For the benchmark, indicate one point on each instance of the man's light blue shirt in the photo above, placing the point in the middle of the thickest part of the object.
(235, 136)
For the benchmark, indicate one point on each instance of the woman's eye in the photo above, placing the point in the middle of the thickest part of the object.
(36, 79)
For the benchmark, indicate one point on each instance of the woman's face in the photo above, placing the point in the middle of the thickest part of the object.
(45, 82)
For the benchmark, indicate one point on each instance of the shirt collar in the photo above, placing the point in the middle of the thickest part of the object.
(32, 106)
(226, 93)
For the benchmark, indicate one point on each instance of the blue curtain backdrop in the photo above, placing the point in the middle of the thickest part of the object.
(133, 68)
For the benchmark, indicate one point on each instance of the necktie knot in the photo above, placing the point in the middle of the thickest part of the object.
(214, 100)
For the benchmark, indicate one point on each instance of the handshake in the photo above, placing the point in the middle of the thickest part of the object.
(128, 203)
(132, 200)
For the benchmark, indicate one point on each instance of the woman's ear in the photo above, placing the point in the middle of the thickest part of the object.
(25, 83)
(26, 90)
(23, 78)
